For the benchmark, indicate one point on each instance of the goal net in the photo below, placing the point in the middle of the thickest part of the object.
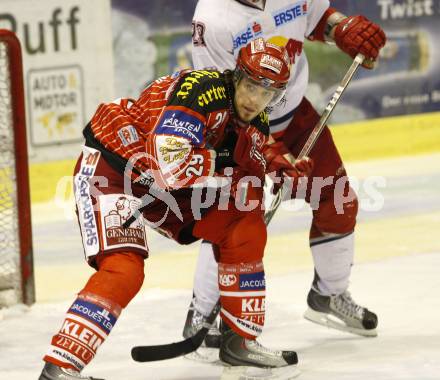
(16, 266)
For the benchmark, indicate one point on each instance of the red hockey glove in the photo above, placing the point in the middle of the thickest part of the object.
(248, 151)
(357, 34)
(275, 162)
(304, 166)
(279, 166)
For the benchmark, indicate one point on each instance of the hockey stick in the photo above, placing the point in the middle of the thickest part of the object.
(173, 350)
(316, 132)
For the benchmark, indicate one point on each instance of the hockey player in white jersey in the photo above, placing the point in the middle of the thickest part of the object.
(220, 29)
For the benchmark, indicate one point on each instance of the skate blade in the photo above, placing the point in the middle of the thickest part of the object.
(333, 322)
(204, 355)
(255, 373)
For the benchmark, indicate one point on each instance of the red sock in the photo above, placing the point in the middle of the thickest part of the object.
(243, 295)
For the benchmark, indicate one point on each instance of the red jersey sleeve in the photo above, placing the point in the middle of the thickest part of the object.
(176, 149)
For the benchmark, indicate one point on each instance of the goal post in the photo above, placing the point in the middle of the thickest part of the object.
(16, 256)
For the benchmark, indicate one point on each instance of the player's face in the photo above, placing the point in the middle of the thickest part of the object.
(251, 99)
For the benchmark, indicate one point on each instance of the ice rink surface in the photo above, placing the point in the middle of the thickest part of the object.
(396, 274)
(403, 291)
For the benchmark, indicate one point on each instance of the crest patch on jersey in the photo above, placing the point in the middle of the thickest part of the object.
(290, 13)
(180, 123)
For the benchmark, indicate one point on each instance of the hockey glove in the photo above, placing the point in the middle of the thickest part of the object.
(248, 151)
(278, 166)
(357, 34)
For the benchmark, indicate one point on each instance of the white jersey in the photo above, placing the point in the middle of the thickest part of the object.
(222, 27)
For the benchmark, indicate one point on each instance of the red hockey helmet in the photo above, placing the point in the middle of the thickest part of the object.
(266, 64)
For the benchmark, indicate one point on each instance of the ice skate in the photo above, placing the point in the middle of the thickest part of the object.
(53, 372)
(340, 312)
(208, 352)
(247, 359)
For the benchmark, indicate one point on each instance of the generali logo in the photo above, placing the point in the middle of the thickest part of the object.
(115, 234)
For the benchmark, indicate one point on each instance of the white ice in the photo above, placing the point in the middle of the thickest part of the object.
(403, 291)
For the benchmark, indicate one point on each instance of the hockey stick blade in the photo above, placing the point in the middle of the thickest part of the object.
(170, 350)
(174, 350)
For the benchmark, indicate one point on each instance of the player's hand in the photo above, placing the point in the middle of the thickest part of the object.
(283, 168)
(357, 34)
(301, 168)
(278, 167)
(275, 155)
(248, 151)
(304, 166)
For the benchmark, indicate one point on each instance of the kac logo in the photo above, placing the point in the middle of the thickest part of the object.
(228, 279)
(128, 135)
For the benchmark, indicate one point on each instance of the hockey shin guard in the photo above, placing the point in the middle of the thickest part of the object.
(243, 295)
(86, 325)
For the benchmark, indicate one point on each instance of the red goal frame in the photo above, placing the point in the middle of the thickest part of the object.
(14, 57)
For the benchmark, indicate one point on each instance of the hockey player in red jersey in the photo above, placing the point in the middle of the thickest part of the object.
(220, 28)
(148, 155)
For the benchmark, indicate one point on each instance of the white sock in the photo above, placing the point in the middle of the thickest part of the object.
(206, 290)
(333, 258)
